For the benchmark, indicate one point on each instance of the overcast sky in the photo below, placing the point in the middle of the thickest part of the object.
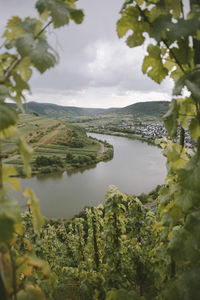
(96, 68)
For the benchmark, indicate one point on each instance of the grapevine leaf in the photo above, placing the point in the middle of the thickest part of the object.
(182, 53)
(183, 28)
(187, 111)
(185, 287)
(59, 12)
(195, 129)
(25, 44)
(20, 84)
(24, 69)
(26, 153)
(182, 239)
(7, 224)
(130, 20)
(8, 116)
(77, 15)
(14, 31)
(160, 25)
(4, 92)
(8, 173)
(33, 204)
(186, 199)
(175, 6)
(170, 119)
(123, 294)
(39, 263)
(29, 25)
(31, 293)
(153, 65)
(40, 56)
(194, 87)
(41, 5)
(192, 224)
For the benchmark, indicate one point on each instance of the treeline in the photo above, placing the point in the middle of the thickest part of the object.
(49, 164)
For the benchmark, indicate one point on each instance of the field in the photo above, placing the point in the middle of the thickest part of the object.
(57, 145)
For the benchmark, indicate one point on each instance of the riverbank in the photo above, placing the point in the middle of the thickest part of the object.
(149, 141)
(135, 168)
(70, 161)
(58, 146)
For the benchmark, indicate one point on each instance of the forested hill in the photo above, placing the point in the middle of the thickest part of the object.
(153, 108)
(58, 111)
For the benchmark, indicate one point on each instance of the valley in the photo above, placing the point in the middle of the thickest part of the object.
(57, 146)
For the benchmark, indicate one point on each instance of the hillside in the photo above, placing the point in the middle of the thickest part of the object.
(57, 145)
(61, 112)
(153, 108)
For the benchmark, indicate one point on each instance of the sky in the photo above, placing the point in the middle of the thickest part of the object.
(96, 68)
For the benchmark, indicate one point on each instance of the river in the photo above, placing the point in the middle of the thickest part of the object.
(136, 167)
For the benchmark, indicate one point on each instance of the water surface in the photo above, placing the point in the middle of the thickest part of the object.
(136, 167)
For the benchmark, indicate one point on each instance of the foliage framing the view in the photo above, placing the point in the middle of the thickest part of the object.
(174, 51)
(120, 250)
(25, 47)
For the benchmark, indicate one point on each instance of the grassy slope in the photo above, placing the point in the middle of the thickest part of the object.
(50, 137)
(152, 108)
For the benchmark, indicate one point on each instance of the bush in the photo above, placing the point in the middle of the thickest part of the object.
(76, 144)
(48, 161)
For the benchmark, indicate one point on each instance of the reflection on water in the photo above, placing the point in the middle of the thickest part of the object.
(80, 170)
(55, 176)
(135, 168)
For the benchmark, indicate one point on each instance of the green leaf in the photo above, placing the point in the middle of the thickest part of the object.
(14, 31)
(26, 153)
(59, 12)
(33, 204)
(192, 224)
(153, 65)
(183, 28)
(29, 25)
(183, 52)
(40, 56)
(189, 176)
(25, 44)
(20, 85)
(41, 5)
(77, 15)
(185, 287)
(8, 116)
(4, 92)
(195, 129)
(24, 69)
(7, 228)
(8, 177)
(133, 20)
(120, 294)
(170, 119)
(160, 25)
(31, 293)
(194, 87)
(182, 239)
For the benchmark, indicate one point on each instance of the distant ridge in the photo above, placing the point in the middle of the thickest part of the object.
(58, 111)
(152, 108)
(158, 108)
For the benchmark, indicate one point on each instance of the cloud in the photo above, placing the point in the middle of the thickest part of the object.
(96, 68)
